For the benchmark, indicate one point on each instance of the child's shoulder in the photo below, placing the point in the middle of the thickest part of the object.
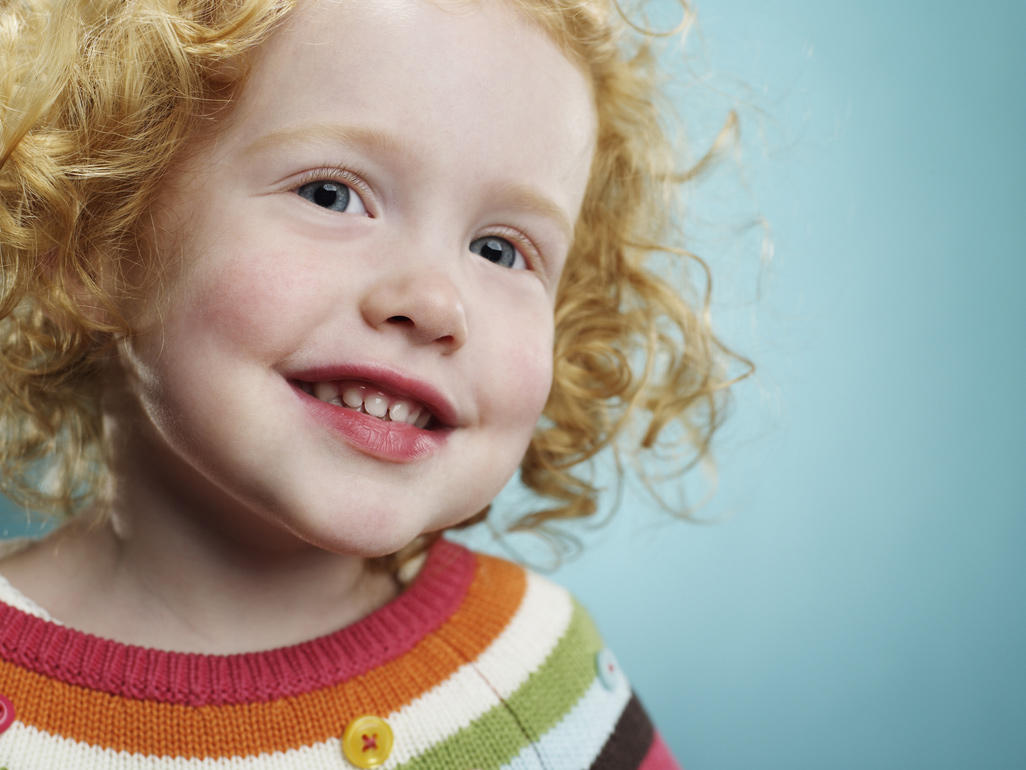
(541, 653)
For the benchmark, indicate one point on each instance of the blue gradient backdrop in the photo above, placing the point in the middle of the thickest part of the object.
(859, 602)
(864, 605)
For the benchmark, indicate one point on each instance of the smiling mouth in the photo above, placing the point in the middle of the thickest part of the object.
(371, 400)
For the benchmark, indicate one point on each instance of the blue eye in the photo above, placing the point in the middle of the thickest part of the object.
(498, 250)
(333, 196)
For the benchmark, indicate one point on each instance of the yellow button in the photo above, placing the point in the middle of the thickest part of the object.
(367, 741)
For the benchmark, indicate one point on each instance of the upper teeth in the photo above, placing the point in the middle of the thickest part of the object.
(366, 399)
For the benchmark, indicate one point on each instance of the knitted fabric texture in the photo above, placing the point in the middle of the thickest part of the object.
(478, 664)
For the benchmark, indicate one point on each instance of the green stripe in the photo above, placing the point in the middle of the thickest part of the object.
(562, 680)
(498, 735)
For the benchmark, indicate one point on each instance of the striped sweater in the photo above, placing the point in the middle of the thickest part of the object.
(477, 664)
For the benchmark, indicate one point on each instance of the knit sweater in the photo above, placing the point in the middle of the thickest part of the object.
(477, 664)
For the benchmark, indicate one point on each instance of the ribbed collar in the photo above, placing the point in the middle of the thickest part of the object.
(82, 659)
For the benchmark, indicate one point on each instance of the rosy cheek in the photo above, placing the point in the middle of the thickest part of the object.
(242, 298)
(530, 377)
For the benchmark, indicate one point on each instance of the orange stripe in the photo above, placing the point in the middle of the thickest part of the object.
(167, 729)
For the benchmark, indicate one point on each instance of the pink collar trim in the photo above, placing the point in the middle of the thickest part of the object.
(82, 659)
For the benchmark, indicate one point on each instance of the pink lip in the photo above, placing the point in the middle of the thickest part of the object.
(392, 441)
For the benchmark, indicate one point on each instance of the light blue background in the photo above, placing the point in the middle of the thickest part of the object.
(863, 604)
(860, 602)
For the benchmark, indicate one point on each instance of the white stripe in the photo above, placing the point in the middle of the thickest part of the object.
(525, 760)
(532, 633)
(26, 748)
(543, 618)
(575, 741)
(474, 688)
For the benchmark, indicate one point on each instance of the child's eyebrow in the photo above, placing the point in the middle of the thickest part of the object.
(512, 194)
(370, 138)
(526, 198)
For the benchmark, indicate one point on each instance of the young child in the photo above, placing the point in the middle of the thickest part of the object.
(287, 293)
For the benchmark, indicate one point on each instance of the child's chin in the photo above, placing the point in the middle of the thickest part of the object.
(367, 542)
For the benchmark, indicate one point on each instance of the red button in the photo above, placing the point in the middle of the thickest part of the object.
(6, 713)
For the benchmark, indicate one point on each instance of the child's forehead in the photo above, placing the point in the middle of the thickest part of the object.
(438, 21)
(544, 15)
(408, 62)
(462, 106)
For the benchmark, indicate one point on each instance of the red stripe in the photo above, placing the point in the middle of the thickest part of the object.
(658, 756)
(151, 728)
(76, 658)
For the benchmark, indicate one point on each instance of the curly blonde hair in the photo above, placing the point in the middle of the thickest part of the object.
(98, 98)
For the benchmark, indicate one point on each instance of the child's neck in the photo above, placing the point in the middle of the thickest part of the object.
(154, 581)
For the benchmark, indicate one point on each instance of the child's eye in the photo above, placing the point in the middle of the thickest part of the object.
(498, 250)
(333, 196)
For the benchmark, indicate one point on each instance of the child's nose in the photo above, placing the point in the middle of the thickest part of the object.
(426, 306)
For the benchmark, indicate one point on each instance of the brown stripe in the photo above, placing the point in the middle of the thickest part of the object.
(168, 729)
(630, 741)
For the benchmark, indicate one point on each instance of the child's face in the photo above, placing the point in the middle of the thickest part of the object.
(353, 227)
